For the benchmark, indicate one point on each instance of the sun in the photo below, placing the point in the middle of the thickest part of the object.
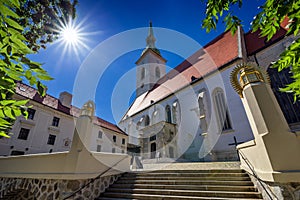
(72, 40)
(70, 35)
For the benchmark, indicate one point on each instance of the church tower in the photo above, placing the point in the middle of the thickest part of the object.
(150, 67)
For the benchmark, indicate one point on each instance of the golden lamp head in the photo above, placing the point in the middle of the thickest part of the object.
(245, 74)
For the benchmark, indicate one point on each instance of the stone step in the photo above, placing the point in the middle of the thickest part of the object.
(192, 171)
(192, 165)
(112, 198)
(188, 187)
(186, 182)
(164, 197)
(172, 178)
(223, 194)
(188, 174)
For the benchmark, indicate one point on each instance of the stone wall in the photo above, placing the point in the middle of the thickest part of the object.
(277, 191)
(50, 189)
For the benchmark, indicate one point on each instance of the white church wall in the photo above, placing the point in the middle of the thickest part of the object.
(240, 125)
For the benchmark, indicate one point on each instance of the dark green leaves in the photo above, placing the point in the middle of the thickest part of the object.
(215, 10)
(15, 45)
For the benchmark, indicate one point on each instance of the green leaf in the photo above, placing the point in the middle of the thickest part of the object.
(9, 112)
(7, 12)
(28, 74)
(7, 102)
(12, 3)
(21, 102)
(13, 24)
(41, 89)
(3, 134)
(44, 77)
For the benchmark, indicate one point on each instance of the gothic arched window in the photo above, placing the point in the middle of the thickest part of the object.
(155, 117)
(168, 114)
(146, 120)
(176, 112)
(157, 72)
(202, 110)
(143, 73)
(221, 110)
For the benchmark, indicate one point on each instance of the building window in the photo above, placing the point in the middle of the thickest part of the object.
(155, 117)
(168, 114)
(146, 120)
(157, 72)
(123, 151)
(31, 113)
(221, 110)
(23, 135)
(176, 112)
(113, 150)
(202, 111)
(143, 73)
(152, 138)
(123, 140)
(51, 139)
(16, 153)
(98, 148)
(55, 121)
(100, 133)
(114, 138)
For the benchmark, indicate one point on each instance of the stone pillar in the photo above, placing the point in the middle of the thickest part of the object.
(81, 144)
(274, 154)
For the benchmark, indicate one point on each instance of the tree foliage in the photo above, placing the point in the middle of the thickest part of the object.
(267, 21)
(43, 18)
(25, 26)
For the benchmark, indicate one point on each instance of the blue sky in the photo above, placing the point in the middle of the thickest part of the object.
(101, 20)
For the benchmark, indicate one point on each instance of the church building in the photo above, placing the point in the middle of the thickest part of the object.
(192, 113)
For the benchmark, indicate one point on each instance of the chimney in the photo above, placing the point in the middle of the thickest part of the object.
(65, 99)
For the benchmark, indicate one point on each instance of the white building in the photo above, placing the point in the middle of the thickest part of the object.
(192, 112)
(50, 127)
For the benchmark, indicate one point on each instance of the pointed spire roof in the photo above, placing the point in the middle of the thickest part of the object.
(150, 40)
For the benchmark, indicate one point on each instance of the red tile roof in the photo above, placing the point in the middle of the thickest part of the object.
(214, 55)
(52, 102)
(254, 42)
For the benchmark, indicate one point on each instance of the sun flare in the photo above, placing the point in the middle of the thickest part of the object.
(72, 40)
(70, 35)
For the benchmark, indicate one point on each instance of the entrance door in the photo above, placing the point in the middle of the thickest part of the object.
(153, 149)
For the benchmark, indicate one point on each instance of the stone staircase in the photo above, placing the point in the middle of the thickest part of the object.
(183, 184)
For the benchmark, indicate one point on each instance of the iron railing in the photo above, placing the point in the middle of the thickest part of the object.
(261, 182)
(93, 179)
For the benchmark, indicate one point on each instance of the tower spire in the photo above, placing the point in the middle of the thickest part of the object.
(150, 38)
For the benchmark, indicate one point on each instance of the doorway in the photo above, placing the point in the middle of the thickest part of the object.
(153, 150)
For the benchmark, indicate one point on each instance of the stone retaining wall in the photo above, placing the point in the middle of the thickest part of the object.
(50, 189)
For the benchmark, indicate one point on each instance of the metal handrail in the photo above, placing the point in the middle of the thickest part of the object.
(92, 180)
(255, 175)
